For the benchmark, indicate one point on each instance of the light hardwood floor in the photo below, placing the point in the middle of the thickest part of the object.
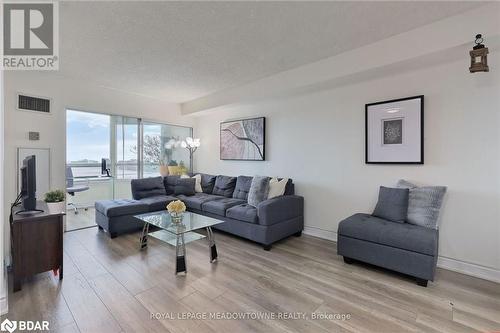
(110, 286)
(84, 219)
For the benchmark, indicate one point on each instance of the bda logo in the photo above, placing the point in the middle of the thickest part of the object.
(8, 325)
(24, 325)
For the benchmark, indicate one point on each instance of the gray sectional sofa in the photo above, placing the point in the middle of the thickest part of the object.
(223, 197)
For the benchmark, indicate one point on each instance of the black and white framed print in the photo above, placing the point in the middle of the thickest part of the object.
(394, 131)
(243, 139)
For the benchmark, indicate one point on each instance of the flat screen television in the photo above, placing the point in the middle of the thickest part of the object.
(28, 183)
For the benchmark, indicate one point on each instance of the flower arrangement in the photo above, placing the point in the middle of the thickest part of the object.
(176, 206)
(176, 209)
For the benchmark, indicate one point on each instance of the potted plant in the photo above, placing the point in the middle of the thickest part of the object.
(182, 168)
(163, 169)
(55, 201)
(173, 167)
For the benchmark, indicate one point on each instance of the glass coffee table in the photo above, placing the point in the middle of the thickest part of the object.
(178, 234)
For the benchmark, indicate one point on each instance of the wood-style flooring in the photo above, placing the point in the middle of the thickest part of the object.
(84, 219)
(111, 286)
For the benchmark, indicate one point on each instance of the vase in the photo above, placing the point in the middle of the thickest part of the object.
(176, 217)
(164, 170)
(56, 207)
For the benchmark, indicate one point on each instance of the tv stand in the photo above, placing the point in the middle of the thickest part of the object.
(37, 243)
(27, 212)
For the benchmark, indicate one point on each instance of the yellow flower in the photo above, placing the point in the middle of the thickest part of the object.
(176, 206)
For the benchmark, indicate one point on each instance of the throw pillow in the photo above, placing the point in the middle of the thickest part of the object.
(424, 203)
(207, 183)
(197, 184)
(185, 186)
(169, 182)
(392, 204)
(147, 187)
(259, 189)
(277, 187)
(224, 186)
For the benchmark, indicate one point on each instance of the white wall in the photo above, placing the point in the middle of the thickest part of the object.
(3, 275)
(318, 140)
(65, 94)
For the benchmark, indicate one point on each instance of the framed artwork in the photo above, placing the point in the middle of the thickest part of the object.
(394, 131)
(243, 139)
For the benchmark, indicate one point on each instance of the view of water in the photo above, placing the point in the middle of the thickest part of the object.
(123, 172)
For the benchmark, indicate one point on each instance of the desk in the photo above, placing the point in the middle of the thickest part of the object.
(37, 243)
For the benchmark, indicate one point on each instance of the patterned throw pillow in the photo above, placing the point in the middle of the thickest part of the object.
(424, 203)
(258, 190)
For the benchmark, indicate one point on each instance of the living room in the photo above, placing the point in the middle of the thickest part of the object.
(308, 81)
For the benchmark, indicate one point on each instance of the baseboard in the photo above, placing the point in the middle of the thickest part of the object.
(467, 268)
(482, 272)
(320, 233)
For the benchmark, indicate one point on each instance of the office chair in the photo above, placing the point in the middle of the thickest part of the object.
(71, 188)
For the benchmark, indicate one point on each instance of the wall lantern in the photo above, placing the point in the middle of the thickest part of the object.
(479, 56)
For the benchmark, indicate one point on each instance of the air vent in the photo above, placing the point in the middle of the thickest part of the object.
(31, 103)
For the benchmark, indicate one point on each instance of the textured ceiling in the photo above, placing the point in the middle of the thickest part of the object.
(179, 51)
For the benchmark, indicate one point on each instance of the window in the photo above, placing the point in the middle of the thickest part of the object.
(90, 137)
(161, 146)
(87, 142)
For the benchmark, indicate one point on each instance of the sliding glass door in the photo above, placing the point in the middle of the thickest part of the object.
(88, 141)
(127, 147)
(125, 159)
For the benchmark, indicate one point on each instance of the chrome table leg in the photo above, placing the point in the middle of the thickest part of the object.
(144, 236)
(180, 255)
(211, 244)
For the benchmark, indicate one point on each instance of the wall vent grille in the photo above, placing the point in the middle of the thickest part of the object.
(31, 103)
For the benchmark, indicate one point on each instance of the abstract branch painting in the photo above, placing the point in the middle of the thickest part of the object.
(243, 139)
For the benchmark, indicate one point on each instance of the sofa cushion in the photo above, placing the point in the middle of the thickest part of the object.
(243, 212)
(219, 206)
(185, 186)
(120, 207)
(147, 187)
(224, 185)
(169, 182)
(242, 187)
(195, 201)
(207, 183)
(392, 204)
(424, 203)
(157, 203)
(399, 235)
(258, 190)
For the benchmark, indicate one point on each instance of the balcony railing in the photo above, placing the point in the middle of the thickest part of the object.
(123, 170)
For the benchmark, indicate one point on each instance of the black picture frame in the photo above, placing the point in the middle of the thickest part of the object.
(244, 159)
(421, 161)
